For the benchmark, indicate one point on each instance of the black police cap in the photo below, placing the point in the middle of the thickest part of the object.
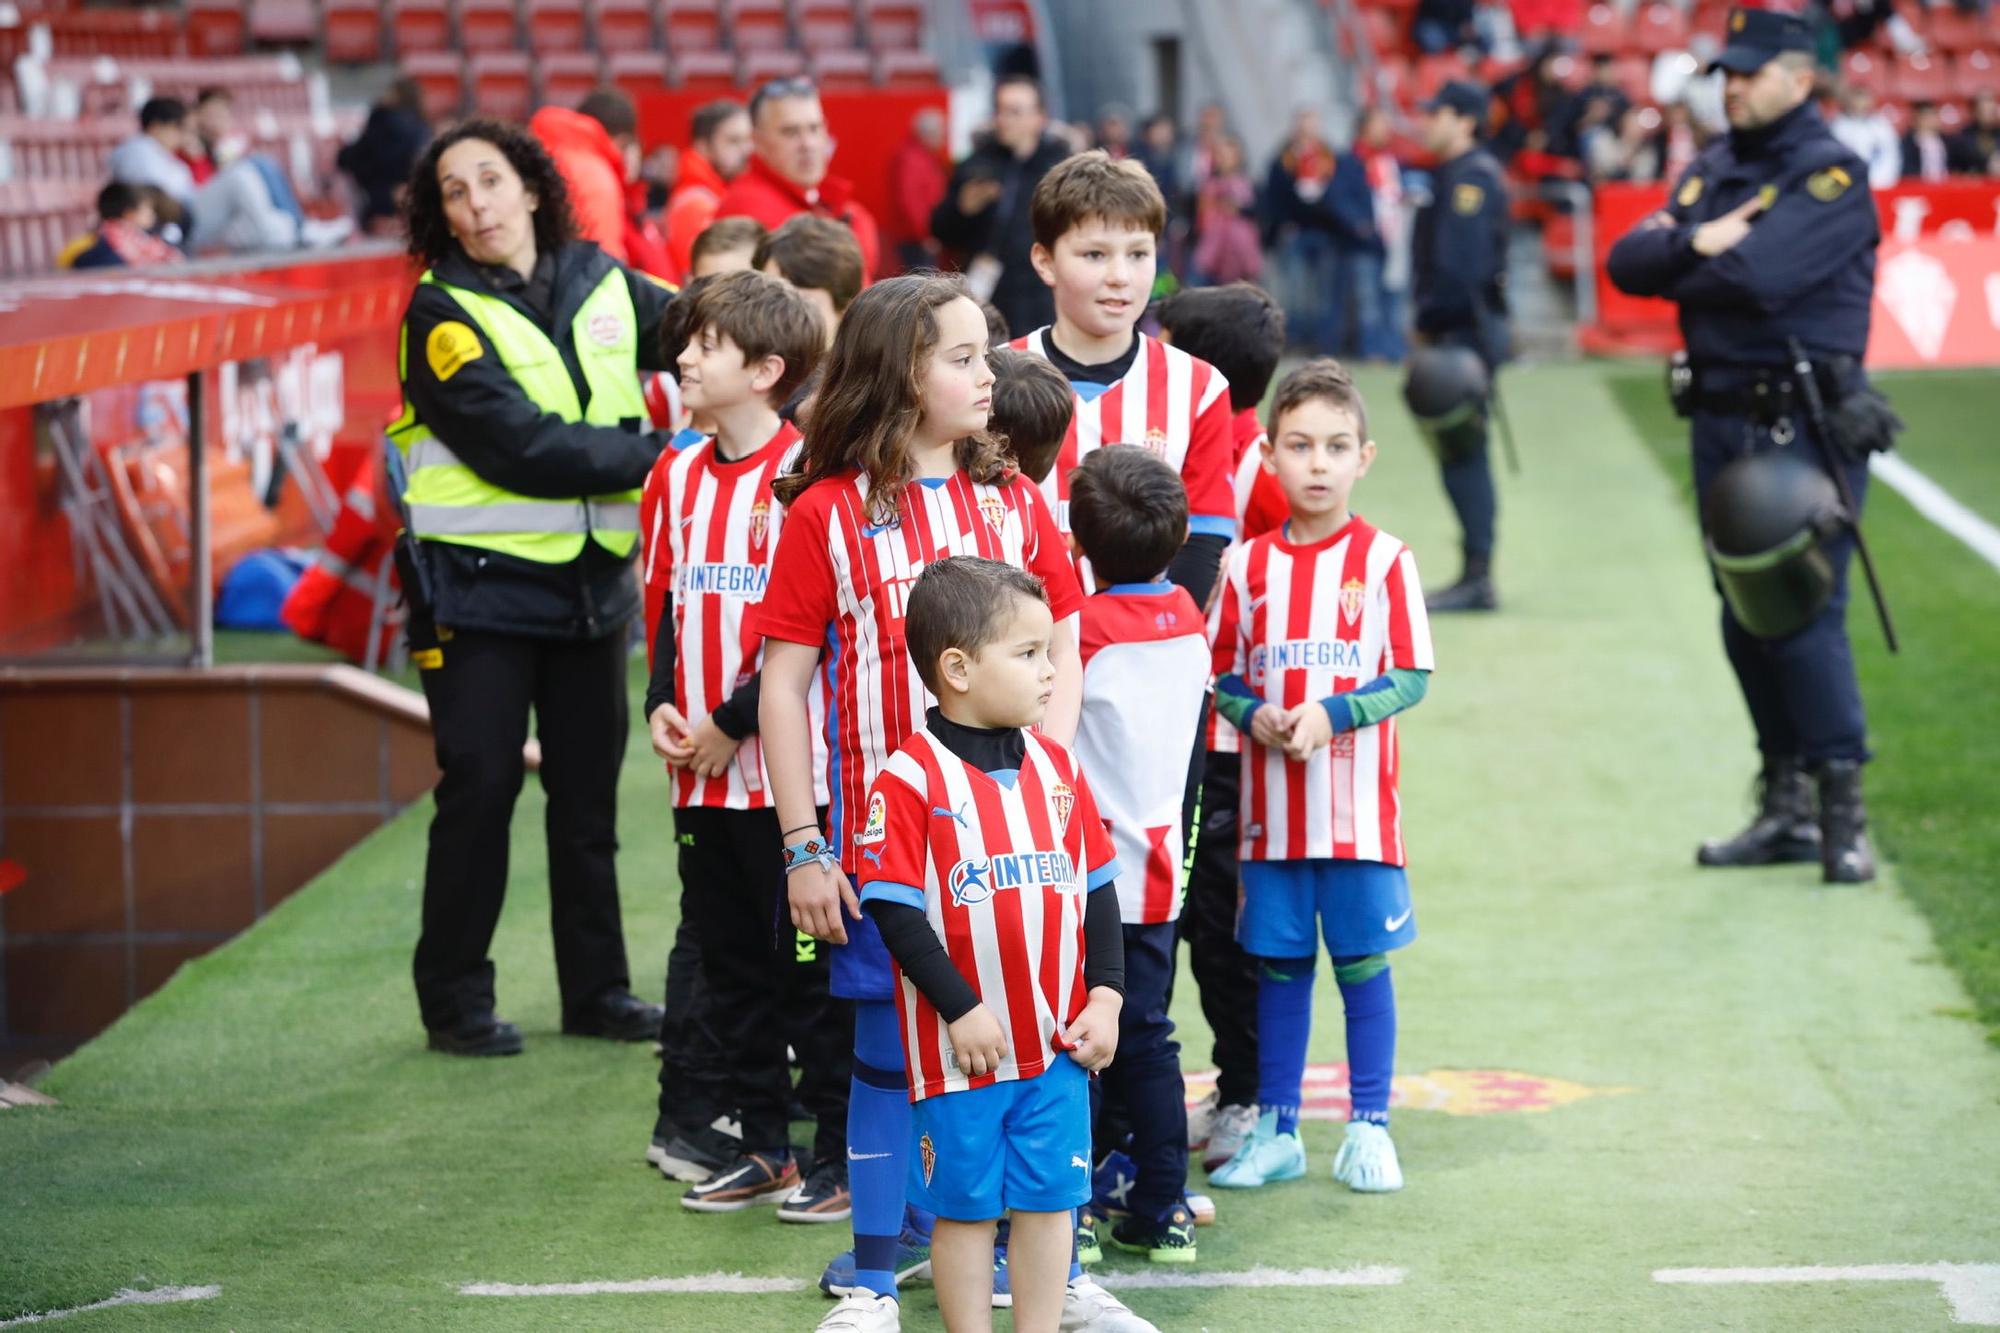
(1757, 35)
(1464, 97)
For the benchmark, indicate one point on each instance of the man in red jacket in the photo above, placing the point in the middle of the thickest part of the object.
(917, 178)
(716, 155)
(787, 175)
(596, 147)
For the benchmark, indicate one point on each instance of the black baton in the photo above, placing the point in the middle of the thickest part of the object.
(1802, 370)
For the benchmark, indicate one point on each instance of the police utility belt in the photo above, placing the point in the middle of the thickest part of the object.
(1859, 420)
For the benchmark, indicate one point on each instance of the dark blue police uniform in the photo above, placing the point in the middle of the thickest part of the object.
(1458, 257)
(1805, 271)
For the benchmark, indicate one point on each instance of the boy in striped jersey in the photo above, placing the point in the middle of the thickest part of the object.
(707, 556)
(985, 867)
(1321, 640)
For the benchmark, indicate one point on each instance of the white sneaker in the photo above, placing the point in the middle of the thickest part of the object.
(1089, 1308)
(864, 1312)
(1366, 1162)
(324, 233)
(1232, 1126)
(1201, 1120)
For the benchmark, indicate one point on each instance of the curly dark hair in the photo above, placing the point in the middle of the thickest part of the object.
(423, 202)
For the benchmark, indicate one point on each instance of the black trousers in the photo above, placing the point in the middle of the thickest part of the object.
(759, 985)
(480, 700)
(1142, 1088)
(1224, 975)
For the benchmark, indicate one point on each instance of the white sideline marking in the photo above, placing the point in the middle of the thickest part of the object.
(1971, 1290)
(153, 1296)
(1935, 503)
(738, 1284)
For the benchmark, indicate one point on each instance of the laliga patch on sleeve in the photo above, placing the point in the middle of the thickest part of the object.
(1827, 186)
(877, 827)
(1690, 192)
(450, 346)
(1466, 199)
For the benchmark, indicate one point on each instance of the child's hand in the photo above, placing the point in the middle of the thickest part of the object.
(1270, 726)
(1093, 1039)
(977, 1042)
(816, 893)
(713, 749)
(1310, 728)
(671, 740)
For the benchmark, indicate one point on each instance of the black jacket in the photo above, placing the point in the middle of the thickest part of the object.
(1458, 257)
(380, 159)
(483, 417)
(1002, 229)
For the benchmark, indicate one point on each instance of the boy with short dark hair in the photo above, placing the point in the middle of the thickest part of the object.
(1032, 408)
(1322, 639)
(821, 258)
(983, 833)
(725, 246)
(712, 529)
(1240, 330)
(1145, 655)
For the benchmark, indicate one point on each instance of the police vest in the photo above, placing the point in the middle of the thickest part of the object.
(449, 502)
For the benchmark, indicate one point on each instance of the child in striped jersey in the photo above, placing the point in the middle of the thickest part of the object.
(707, 545)
(1321, 640)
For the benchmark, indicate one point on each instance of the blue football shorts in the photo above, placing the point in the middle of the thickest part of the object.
(1357, 907)
(1023, 1144)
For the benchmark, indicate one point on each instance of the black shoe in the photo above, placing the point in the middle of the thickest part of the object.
(1844, 854)
(1783, 830)
(751, 1179)
(1468, 594)
(616, 1015)
(693, 1155)
(821, 1197)
(482, 1034)
(1169, 1239)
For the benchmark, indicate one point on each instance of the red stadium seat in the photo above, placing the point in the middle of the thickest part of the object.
(621, 25)
(846, 70)
(761, 67)
(1604, 30)
(758, 25)
(691, 25)
(1921, 78)
(1661, 28)
(287, 22)
(1954, 30)
(635, 72)
(420, 26)
(1711, 21)
(501, 85)
(565, 78)
(894, 25)
(352, 31)
(1433, 72)
(441, 74)
(555, 25)
(1977, 72)
(705, 71)
(215, 27)
(906, 69)
(487, 25)
(1865, 70)
(825, 25)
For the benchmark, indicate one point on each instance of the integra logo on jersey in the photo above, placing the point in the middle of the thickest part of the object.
(1340, 656)
(722, 578)
(977, 878)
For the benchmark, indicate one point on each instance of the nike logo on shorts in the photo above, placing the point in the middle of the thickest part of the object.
(1393, 923)
(854, 1156)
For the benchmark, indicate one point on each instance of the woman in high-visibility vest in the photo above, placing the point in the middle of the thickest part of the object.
(525, 438)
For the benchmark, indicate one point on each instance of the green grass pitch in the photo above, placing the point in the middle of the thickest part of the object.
(1784, 1074)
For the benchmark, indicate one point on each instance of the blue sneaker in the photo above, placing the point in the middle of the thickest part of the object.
(1367, 1161)
(1003, 1290)
(1111, 1184)
(913, 1262)
(1265, 1157)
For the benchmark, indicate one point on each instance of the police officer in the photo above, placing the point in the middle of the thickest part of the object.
(1770, 237)
(522, 439)
(1458, 256)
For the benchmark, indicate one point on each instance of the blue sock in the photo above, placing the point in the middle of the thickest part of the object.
(878, 1142)
(1371, 1044)
(1284, 1023)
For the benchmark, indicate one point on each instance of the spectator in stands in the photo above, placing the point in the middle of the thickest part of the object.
(983, 217)
(790, 153)
(1680, 141)
(918, 174)
(1927, 154)
(1443, 25)
(1979, 145)
(1113, 132)
(1302, 226)
(727, 245)
(1547, 20)
(1533, 103)
(248, 207)
(1227, 247)
(212, 142)
(1598, 106)
(1857, 21)
(379, 161)
(1379, 274)
(1870, 136)
(596, 147)
(124, 238)
(718, 152)
(1211, 123)
(1630, 151)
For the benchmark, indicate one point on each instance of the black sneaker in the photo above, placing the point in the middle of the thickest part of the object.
(693, 1155)
(616, 1015)
(821, 1197)
(482, 1034)
(751, 1179)
(1169, 1240)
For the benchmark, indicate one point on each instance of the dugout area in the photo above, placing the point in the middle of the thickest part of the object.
(1776, 1075)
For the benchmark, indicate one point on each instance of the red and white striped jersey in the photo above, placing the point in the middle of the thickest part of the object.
(1260, 506)
(710, 527)
(1145, 667)
(1000, 869)
(1169, 402)
(1307, 622)
(840, 583)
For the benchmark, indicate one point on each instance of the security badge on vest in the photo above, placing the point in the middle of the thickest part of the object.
(450, 502)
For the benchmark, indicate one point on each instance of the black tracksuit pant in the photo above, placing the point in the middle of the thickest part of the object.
(1224, 975)
(480, 700)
